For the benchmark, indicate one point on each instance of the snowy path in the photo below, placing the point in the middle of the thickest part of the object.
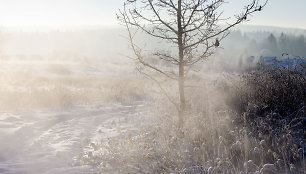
(46, 141)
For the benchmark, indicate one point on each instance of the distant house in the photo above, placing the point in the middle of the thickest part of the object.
(276, 62)
(250, 60)
(267, 60)
(292, 63)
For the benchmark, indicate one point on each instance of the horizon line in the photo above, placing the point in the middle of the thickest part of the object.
(89, 26)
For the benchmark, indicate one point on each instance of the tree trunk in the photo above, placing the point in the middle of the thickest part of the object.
(181, 67)
(182, 96)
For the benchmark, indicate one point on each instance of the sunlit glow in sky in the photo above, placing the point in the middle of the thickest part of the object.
(282, 13)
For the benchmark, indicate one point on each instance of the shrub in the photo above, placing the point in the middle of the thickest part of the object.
(277, 89)
(270, 101)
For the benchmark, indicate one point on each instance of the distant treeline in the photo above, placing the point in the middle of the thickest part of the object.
(264, 44)
(294, 45)
(112, 43)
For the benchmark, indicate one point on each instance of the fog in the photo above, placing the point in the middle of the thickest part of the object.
(63, 90)
(111, 43)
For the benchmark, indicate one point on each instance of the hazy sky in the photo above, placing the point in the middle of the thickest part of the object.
(285, 13)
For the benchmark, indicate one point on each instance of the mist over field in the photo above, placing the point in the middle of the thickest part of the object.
(40, 65)
(72, 101)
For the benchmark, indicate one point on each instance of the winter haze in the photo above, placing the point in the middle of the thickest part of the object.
(74, 98)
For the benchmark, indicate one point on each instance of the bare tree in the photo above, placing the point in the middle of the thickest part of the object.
(192, 26)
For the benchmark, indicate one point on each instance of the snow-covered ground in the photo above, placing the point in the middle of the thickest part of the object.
(46, 140)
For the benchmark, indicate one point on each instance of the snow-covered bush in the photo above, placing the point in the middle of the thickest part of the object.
(271, 102)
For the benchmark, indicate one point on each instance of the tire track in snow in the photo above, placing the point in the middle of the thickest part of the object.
(40, 142)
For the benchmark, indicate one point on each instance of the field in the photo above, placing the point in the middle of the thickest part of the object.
(75, 116)
(49, 109)
(71, 101)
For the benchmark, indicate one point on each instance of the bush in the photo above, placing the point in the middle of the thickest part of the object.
(276, 89)
(270, 101)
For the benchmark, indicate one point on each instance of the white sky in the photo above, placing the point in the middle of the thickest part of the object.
(282, 13)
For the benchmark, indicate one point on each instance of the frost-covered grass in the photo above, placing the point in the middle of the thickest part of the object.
(247, 123)
(272, 104)
(228, 129)
(32, 85)
(49, 109)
